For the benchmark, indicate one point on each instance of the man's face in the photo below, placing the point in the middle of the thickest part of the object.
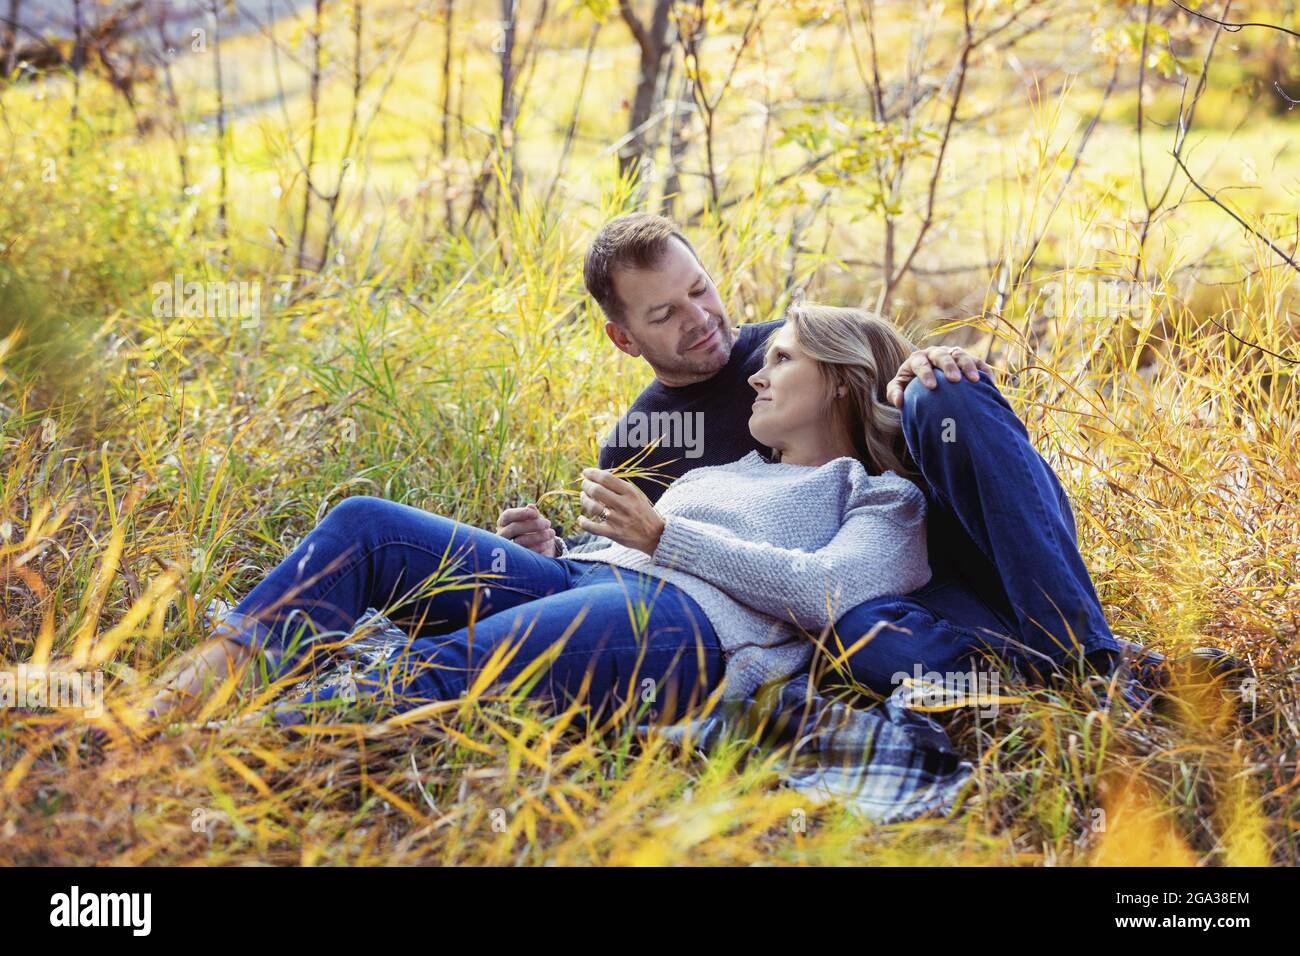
(674, 318)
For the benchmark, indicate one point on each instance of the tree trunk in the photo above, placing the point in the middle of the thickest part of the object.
(654, 44)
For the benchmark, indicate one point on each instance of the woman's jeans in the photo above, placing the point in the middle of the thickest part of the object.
(482, 611)
(1008, 583)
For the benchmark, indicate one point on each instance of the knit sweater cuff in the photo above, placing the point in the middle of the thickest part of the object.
(680, 544)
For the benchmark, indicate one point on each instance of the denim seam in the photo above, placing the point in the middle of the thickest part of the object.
(563, 654)
(592, 566)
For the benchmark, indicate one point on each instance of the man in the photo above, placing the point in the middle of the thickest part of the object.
(1007, 573)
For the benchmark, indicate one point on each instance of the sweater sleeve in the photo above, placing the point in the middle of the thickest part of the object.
(880, 549)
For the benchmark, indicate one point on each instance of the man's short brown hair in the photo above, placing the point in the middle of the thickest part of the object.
(636, 240)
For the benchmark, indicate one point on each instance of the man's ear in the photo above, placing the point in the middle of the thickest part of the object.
(622, 341)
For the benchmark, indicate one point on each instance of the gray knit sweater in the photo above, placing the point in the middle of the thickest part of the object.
(767, 549)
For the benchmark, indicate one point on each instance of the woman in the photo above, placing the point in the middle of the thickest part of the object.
(726, 583)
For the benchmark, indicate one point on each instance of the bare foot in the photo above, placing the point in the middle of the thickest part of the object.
(202, 669)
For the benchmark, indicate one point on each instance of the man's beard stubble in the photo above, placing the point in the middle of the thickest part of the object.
(713, 362)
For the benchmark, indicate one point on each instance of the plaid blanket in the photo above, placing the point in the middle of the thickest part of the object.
(888, 762)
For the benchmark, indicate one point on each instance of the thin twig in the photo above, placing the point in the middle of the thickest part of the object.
(1245, 225)
(1234, 27)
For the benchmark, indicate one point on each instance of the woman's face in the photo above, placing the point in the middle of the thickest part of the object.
(791, 399)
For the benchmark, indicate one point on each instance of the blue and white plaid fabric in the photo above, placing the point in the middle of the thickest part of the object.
(888, 762)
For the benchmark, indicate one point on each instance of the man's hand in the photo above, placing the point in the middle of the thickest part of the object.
(527, 528)
(629, 517)
(921, 364)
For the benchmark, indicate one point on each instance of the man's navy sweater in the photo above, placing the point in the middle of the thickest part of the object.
(705, 423)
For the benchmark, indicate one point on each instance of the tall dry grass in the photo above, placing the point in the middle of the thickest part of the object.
(153, 463)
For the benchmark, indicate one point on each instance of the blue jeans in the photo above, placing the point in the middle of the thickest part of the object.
(466, 594)
(1008, 579)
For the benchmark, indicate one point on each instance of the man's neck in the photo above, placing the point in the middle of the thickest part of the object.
(672, 381)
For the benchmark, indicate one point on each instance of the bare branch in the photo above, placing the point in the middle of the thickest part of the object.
(1254, 345)
(1213, 197)
(1234, 27)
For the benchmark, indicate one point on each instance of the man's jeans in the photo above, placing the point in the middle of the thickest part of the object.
(466, 594)
(1008, 578)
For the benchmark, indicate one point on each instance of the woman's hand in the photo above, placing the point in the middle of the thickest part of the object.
(630, 518)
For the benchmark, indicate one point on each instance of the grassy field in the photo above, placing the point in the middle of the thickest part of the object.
(150, 462)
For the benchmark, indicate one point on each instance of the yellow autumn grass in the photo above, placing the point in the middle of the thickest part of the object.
(149, 464)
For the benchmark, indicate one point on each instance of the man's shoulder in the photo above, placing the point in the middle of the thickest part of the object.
(750, 340)
(756, 332)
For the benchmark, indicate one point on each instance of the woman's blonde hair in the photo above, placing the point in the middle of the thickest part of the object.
(860, 351)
